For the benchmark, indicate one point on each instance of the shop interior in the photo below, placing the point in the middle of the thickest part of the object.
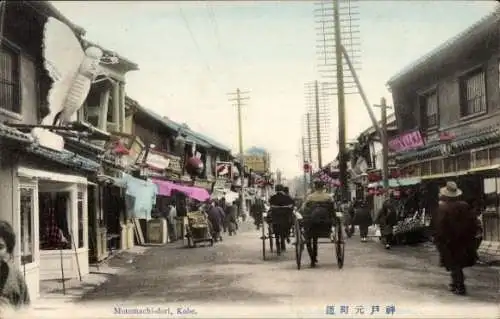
(113, 205)
(62, 225)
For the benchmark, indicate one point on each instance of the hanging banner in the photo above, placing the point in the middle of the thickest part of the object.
(406, 141)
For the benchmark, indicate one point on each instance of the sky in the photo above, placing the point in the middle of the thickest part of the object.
(191, 55)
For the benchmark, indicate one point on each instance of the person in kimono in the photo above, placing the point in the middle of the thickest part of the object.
(387, 218)
(13, 289)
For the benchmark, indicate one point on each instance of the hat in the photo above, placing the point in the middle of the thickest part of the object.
(450, 190)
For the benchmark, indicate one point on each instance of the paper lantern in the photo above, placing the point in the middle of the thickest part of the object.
(194, 166)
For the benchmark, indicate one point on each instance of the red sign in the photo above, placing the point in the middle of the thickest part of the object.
(406, 141)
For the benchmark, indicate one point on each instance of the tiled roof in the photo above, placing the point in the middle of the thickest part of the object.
(192, 136)
(64, 157)
(484, 24)
(14, 134)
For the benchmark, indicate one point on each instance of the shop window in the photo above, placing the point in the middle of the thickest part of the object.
(481, 158)
(490, 192)
(463, 162)
(495, 155)
(27, 202)
(81, 221)
(429, 103)
(473, 93)
(10, 98)
(436, 167)
(449, 165)
(425, 168)
(55, 220)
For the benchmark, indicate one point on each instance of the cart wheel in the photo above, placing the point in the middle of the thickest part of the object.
(299, 244)
(270, 236)
(263, 238)
(339, 246)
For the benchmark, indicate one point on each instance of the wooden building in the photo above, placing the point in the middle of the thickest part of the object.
(451, 96)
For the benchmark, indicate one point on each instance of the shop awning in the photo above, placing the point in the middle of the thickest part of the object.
(484, 168)
(165, 188)
(398, 182)
(444, 175)
(105, 179)
(144, 192)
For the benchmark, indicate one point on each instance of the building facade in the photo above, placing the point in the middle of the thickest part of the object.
(452, 98)
(44, 189)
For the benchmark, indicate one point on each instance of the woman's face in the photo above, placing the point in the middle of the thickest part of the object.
(4, 255)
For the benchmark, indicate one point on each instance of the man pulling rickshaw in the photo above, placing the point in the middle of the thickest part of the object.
(281, 217)
(318, 217)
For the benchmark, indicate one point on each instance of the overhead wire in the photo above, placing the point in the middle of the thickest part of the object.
(213, 20)
(196, 44)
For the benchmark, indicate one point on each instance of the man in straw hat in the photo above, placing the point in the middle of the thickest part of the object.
(455, 231)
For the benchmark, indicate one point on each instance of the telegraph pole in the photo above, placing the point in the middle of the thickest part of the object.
(304, 161)
(341, 104)
(385, 143)
(309, 144)
(318, 127)
(238, 99)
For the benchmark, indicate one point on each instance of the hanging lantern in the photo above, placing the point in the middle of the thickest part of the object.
(194, 166)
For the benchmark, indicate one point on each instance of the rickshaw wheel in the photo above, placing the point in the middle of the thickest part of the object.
(299, 244)
(263, 237)
(339, 245)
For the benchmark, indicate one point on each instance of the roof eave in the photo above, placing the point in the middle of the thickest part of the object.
(478, 29)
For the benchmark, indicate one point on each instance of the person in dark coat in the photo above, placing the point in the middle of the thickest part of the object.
(215, 219)
(362, 218)
(387, 218)
(455, 233)
(256, 210)
(281, 216)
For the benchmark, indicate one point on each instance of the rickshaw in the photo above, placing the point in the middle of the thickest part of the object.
(335, 236)
(197, 229)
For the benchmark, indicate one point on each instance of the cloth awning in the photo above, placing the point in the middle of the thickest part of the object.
(165, 188)
(144, 192)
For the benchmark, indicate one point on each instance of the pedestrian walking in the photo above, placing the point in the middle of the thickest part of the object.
(362, 218)
(387, 218)
(223, 205)
(13, 289)
(455, 235)
(171, 219)
(232, 218)
(215, 219)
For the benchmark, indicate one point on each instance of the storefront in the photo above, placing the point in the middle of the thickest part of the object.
(471, 159)
(45, 198)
